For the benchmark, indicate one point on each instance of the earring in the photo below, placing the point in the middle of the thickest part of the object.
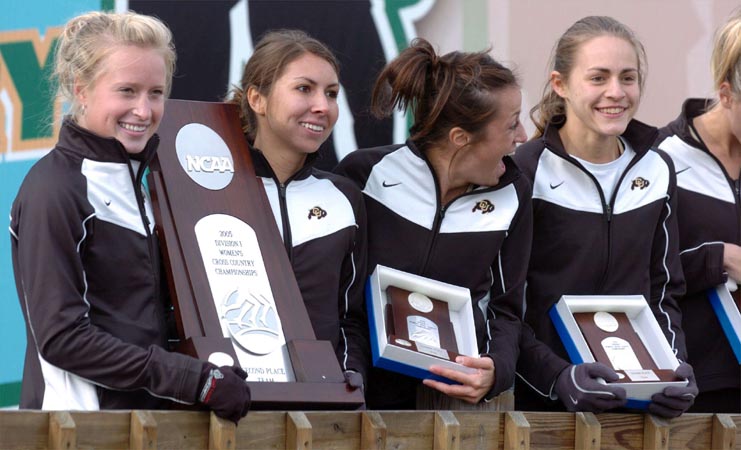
(83, 109)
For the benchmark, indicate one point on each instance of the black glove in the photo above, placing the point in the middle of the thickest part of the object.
(674, 400)
(223, 390)
(579, 389)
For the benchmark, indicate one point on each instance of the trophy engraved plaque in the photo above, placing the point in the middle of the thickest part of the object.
(420, 323)
(235, 296)
(614, 342)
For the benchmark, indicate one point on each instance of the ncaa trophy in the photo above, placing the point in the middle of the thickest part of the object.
(235, 296)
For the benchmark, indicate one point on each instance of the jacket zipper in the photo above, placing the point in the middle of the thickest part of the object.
(145, 220)
(436, 224)
(737, 185)
(287, 239)
(607, 212)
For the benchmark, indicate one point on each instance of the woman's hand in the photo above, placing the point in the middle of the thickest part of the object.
(473, 386)
(732, 261)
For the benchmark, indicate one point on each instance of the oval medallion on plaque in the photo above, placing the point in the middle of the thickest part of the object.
(204, 156)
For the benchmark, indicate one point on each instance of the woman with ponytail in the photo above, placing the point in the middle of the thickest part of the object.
(288, 106)
(705, 144)
(604, 217)
(85, 253)
(425, 216)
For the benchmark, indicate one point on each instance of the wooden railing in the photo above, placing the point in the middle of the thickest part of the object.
(365, 430)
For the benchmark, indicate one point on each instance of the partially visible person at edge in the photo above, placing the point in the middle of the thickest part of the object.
(85, 258)
(288, 106)
(605, 222)
(705, 144)
(450, 205)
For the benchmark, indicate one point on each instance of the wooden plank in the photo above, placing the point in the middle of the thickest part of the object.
(621, 431)
(143, 432)
(298, 431)
(62, 431)
(505, 401)
(655, 433)
(447, 431)
(372, 431)
(516, 431)
(723, 432)
(182, 429)
(409, 429)
(24, 429)
(588, 431)
(265, 430)
(335, 430)
(480, 430)
(102, 429)
(550, 429)
(222, 433)
(691, 431)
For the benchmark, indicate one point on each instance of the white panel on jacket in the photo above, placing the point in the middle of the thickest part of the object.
(316, 208)
(403, 182)
(486, 211)
(111, 193)
(644, 183)
(562, 183)
(697, 171)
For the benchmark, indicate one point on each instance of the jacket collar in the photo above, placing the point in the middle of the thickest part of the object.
(264, 170)
(76, 139)
(640, 136)
(682, 126)
(511, 173)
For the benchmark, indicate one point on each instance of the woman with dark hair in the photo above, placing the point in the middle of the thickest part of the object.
(705, 144)
(288, 106)
(604, 216)
(422, 199)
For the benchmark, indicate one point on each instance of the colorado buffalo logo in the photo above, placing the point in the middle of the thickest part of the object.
(317, 212)
(485, 206)
(640, 183)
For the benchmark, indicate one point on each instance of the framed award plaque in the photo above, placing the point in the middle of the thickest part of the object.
(622, 333)
(416, 322)
(726, 307)
(421, 323)
(235, 296)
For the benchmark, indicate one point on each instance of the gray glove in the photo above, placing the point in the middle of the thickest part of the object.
(674, 400)
(580, 389)
(354, 380)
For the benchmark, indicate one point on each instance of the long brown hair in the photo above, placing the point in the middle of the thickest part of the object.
(275, 50)
(456, 89)
(563, 58)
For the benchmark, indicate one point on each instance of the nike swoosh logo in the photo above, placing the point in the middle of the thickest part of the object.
(108, 203)
(390, 185)
(684, 170)
(554, 186)
(573, 400)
